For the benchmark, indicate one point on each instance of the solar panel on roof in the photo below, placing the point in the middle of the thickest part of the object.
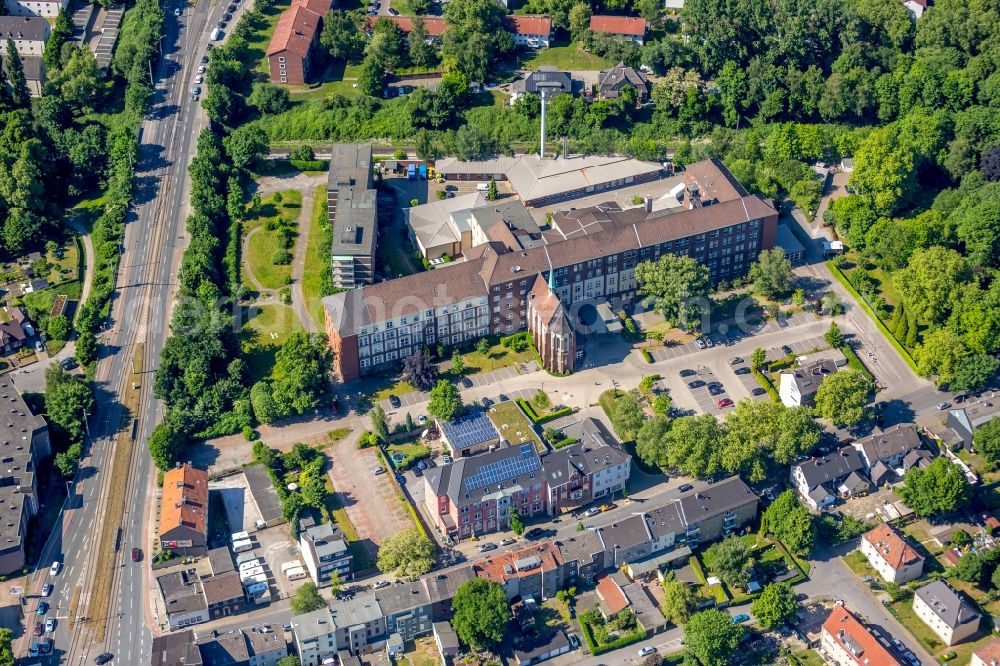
(470, 430)
(525, 462)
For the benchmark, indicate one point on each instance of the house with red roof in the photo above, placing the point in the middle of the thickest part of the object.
(847, 642)
(289, 55)
(629, 27)
(891, 556)
(530, 31)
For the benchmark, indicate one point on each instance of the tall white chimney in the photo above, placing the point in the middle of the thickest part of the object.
(541, 152)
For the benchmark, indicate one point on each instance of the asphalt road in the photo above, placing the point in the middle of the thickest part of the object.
(140, 314)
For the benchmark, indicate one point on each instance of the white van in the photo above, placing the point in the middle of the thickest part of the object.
(296, 573)
(216, 34)
(239, 536)
(292, 564)
(241, 546)
(482, 187)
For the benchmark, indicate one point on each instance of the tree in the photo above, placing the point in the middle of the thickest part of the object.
(371, 77)
(380, 426)
(301, 373)
(579, 20)
(421, 53)
(246, 145)
(775, 605)
(973, 372)
(712, 637)
(679, 601)
(790, 522)
(758, 430)
(483, 346)
(166, 444)
(939, 488)
(971, 568)
(59, 327)
(6, 651)
(408, 553)
(671, 284)
(842, 397)
(932, 282)
(989, 165)
(307, 599)
(651, 441)
(419, 371)
(481, 613)
(771, 274)
(290, 660)
(457, 364)
(270, 99)
(627, 416)
(62, 32)
(66, 400)
(732, 560)
(20, 98)
(758, 358)
(445, 402)
(342, 36)
(694, 445)
(79, 81)
(833, 336)
(516, 524)
(491, 191)
(986, 441)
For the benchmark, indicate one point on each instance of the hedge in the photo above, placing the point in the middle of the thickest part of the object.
(543, 418)
(766, 383)
(854, 362)
(595, 649)
(646, 355)
(842, 279)
(309, 165)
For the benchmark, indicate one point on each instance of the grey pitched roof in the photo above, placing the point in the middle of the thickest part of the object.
(545, 78)
(399, 598)
(716, 499)
(948, 605)
(898, 439)
(880, 473)
(809, 377)
(620, 74)
(227, 648)
(324, 540)
(182, 592)
(31, 28)
(176, 649)
(441, 586)
(626, 533)
(597, 450)
(581, 547)
(467, 480)
(664, 520)
(917, 458)
(832, 466)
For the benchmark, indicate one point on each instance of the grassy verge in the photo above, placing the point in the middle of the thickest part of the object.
(567, 56)
(317, 258)
(854, 362)
(264, 334)
(842, 279)
(903, 611)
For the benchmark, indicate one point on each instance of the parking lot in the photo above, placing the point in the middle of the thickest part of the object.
(472, 381)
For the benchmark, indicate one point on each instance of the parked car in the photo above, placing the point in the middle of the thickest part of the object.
(715, 389)
(395, 402)
(39, 347)
(743, 371)
(736, 360)
(646, 651)
(609, 506)
(696, 384)
(378, 470)
(725, 402)
(43, 608)
(393, 11)
(688, 372)
(684, 487)
(380, 584)
(446, 460)
(68, 363)
(486, 547)
(508, 542)
(46, 589)
(786, 350)
(50, 624)
(758, 391)
(741, 618)
(39, 629)
(534, 533)
(177, 12)
(591, 512)
(700, 342)
(943, 405)
(55, 568)
(487, 403)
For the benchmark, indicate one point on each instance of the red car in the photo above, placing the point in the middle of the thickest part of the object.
(39, 628)
(136, 555)
(725, 402)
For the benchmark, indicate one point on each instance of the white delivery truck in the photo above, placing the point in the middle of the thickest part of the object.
(482, 187)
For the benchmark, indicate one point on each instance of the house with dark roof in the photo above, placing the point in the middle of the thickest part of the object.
(631, 28)
(965, 419)
(583, 555)
(546, 78)
(183, 598)
(883, 452)
(717, 511)
(224, 595)
(610, 83)
(441, 587)
(352, 211)
(890, 555)
(947, 612)
(325, 552)
(224, 648)
(176, 649)
(847, 642)
(819, 480)
(184, 510)
(593, 468)
(407, 609)
(29, 34)
(798, 387)
(290, 52)
(373, 328)
(470, 433)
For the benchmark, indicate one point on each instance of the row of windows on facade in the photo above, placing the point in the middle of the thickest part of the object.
(390, 356)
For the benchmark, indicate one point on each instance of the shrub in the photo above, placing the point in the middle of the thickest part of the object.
(281, 258)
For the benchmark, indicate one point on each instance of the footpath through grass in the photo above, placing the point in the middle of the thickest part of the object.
(262, 243)
(317, 256)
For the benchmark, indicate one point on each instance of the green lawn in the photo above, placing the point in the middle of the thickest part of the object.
(903, 610)
(513, 425)
(808, 658)
(857, 563)
(396, 388)
(567, 56)
(317, 255)
(262, 245)
(411, 450)
(495, 358)
(264, 334)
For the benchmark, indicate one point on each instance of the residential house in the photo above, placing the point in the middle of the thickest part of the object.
(266, 644)
(184, 510)
(24, 443)
(224, 595)
(915, 7)
(845, 641)
(883, 452)
(531, 31)
(583, 556)
(645, 607)
(798, 387)
(376, 326)
(628, 27)
(946, 612)
(536, 571)
(44, 8)
(625, 541)
(532, 648)
(223, 648)
(183, 598)
(611, 598)
(545, 79)
(176, 649)
(717, 511)
(475, 495)
(407, 609)
(290, 52)
(987, 655)
(355, 625)
(470, 433)
(890, 555)
(446, 640)
(325, 552)
(965, 419)
(819, 480)
(611, 82)
(13, 335)
(29, 34)
(594, 468)
(441, 587)
(352, 211)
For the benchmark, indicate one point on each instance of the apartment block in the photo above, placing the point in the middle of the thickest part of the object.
(352, 210)
(948, 614)
(845, 641)
(891, 556)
